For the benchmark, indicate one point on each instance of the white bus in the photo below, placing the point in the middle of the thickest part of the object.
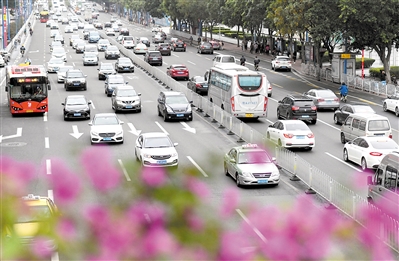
(238, 90)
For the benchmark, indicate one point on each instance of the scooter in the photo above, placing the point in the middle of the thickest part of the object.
(256, 67)
(343, 97)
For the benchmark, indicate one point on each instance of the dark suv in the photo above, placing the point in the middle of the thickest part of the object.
(174, 106)
(297, 107)
(153, 57)
(124, 64)
(75, 79)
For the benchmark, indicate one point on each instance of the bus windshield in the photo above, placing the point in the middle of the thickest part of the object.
(24, 92)
(249, 82)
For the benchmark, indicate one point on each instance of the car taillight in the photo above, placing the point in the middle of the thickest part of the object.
(336, 99)
(288, 135)
(390, 136)
(310, 135)
(265, 104)
(198, 85)
(294, 108)
(233, 106)
(314, 108)
(375, 154)
(277, 62)
(185, 45)
(320, 100)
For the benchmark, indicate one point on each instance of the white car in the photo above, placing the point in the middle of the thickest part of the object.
(106, 128)
(128, 41)
(90, 59)
(140, 48)
(103, 44)
(369, 151)
(2, 62)
(55, 44)
(62, 72)
(155, 149)
(156, 29)
(68, 29)
(281, 63)
(118, 22)
(81, 25)
(109, 32)
(115, 27)
(54, 64)
(59, 52)
(392, 104)
(74, 27)
(291, 134)
(54, 32)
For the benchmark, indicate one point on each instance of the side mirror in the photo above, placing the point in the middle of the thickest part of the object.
(89, 102)
(139, 94)
(49, 87)
(121, 122)
(232, 160)
(63, 103)
(279, 102)
(127, 82)
(191, 102)
(175, 144)
(6, 89)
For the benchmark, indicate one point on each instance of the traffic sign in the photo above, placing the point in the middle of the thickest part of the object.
(345, 56)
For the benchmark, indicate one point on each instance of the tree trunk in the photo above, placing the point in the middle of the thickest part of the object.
(238, 36)
(385, 59)
(211, 28)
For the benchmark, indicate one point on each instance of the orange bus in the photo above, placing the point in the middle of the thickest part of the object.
(44, 15)
(27, 89)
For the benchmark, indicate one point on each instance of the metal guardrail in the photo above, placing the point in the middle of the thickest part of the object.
(317, 181)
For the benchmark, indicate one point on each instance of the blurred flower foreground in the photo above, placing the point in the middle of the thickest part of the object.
(166, 215)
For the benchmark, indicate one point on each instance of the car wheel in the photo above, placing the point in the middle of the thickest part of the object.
(226, 171)
(364, 164)
(385, 107)
(346, 158)
(397, 112)
(99, 77)
(343, 141)
(238, 180)
(137, 157)
(313, 122)
(336, 119)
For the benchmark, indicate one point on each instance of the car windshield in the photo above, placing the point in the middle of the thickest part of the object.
(112, 48)
(125, 62)
(283, 59)
(75, 75)
(363, 109)
(176, 100)
(157, 142)
(180, 67)
(127, 93)
(253, 157)
(129, 38)
(107, 67)
(296, 126)
(76, 101)
(58, 51)
(384, 144)
(91, 55)
(105, 120)
(103, 42)
(199, 79)
(325, 93)
(35, 214)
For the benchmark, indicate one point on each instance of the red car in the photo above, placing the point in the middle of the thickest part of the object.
(178, 71)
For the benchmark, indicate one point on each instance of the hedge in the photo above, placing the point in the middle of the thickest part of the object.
(367, 63)
(375, 72)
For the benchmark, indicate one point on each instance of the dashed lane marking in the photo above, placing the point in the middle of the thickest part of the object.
(124, 170)
(197, 166)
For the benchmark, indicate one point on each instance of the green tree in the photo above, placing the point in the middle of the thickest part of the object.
(233, 15)
(254, 15)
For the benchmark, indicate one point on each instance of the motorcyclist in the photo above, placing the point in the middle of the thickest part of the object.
(30, 31)
(242, 60)
(343, 90)
(22, 49)
(28, 61)
(256, 62)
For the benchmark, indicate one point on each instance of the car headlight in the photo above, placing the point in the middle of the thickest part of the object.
(94, 133)
(168, 109)
(146, 155)
(247, 174)
(119, 132)
(119, 102)
(174, 154)
(275, 174)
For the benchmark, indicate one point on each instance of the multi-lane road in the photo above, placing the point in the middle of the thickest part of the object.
(201, 144)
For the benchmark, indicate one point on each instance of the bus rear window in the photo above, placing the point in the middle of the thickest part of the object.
(250, 82)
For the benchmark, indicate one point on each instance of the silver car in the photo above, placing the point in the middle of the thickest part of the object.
(112, 52)
(54, 64)
(323, 98)
(90, 59)
(62, 72)
(125, 98)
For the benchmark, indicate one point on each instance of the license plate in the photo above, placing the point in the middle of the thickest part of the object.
(29, 110)
(113, 55)
(249, 114)
(379, 134)
(165, 49)
(305, 116)
(283, 67)
(77, 114)
(179, 115)
(107, 139)
(263, 181)
(328, 101)
(126, 68)
(56, 68)
(76, 84)
(180, 72)
(155, 59)
(129, 106)
(161, 161)
(179, 46)
(300, 137)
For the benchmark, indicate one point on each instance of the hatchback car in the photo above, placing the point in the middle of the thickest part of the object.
(369, 151)
(174, 106)
(281, 63)
(178, 71)
(59, 38)
(291, 134)
(105, 69)
(124, 64)
(125, 98)
(62, 72)
(153, 57)
(250, 165)
(75, 79)
(164, 49)
(205, 47)
(54, 64)
(155, 149)
(113, 81)
(297, 107)
(179, 45)
(323, 98)
(106, 128)
(103, 44)
(109, 32)
(90, 59)
(112, 52)
(198, 84)
(76, 107)
(342, 113)
(391, 104)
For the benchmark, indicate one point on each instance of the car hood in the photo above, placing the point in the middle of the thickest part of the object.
(90, 58)
(258, 167)
(125, 65)
(106, 128)
(159, 151)
(128, 98)
(75, 79)
(178, 107)
(76, 107)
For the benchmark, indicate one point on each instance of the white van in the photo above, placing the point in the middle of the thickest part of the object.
(91, 48)
(223, 58)
(128, 41)
(357, 125)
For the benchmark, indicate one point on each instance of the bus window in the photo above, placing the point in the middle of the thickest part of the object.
(250, 83)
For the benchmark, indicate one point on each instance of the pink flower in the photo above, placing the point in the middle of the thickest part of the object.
(153, 177)
(42, 247)
(97, 164)
(98, 217)
(197, 187)
(230, 202)
(66, 229)
(18, 174)
(235, 246)
(158, 242)
(66, 184)
(195, 222)
(146, 212)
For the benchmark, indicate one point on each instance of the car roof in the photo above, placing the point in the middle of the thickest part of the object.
(369, 116)
(115, 76)
(299, 97)
(178, 65)
(172, 93)
(124, 87)
(292, 121)
(74, 70)
(76, 96)
(154, 134)
(248, 147)
(107, 114)
(123, 58)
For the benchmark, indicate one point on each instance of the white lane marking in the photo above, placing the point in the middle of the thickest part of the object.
(50, 194)
(165, 63)
(197, 166)
(207, 58)
(257, 232)
(175, 55)
(124, 170)
(48, 166)
(159, 125)
(338, 129)
(73, 63)
(45, 116)
(2, 81)
(191, 62)
(332, 156)
(92, 104)
(70, 56)
(46, 142)
(55, 257)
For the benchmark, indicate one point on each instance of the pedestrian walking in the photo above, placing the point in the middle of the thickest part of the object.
(267, 49)
(294, 57)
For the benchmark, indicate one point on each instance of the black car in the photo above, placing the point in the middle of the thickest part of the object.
(164, 49)
(153, 57)
(124, 64)
(179, 45)
(198, 84)
(76, 107)
(107, 25)
(75, 79)
(113, 81)
(297, 107)
(174, 106)
(104, 70)
(342, 113)
(124, 31)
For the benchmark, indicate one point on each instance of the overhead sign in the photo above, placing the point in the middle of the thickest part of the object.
(345, 56)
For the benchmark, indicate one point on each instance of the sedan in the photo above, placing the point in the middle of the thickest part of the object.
(76, 107)
(155, 149)
(90, 59)
(145, 41)
(369, 151)
(106, 127)
(81, 25)
(281, 63)
(112, 52)
(392, 104)
(68, 29)
(216, 45)
(54, 64)
(323, 98)
(124, 31)
(342, 113)
(198, 84)
(115, 27)
(291, 134)
(164, 49)
(177, 71)
(62, 72)
(103, 44)
(109, 32)
(205, 47)
(157, 39)
(140, 48)
(124, 64)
